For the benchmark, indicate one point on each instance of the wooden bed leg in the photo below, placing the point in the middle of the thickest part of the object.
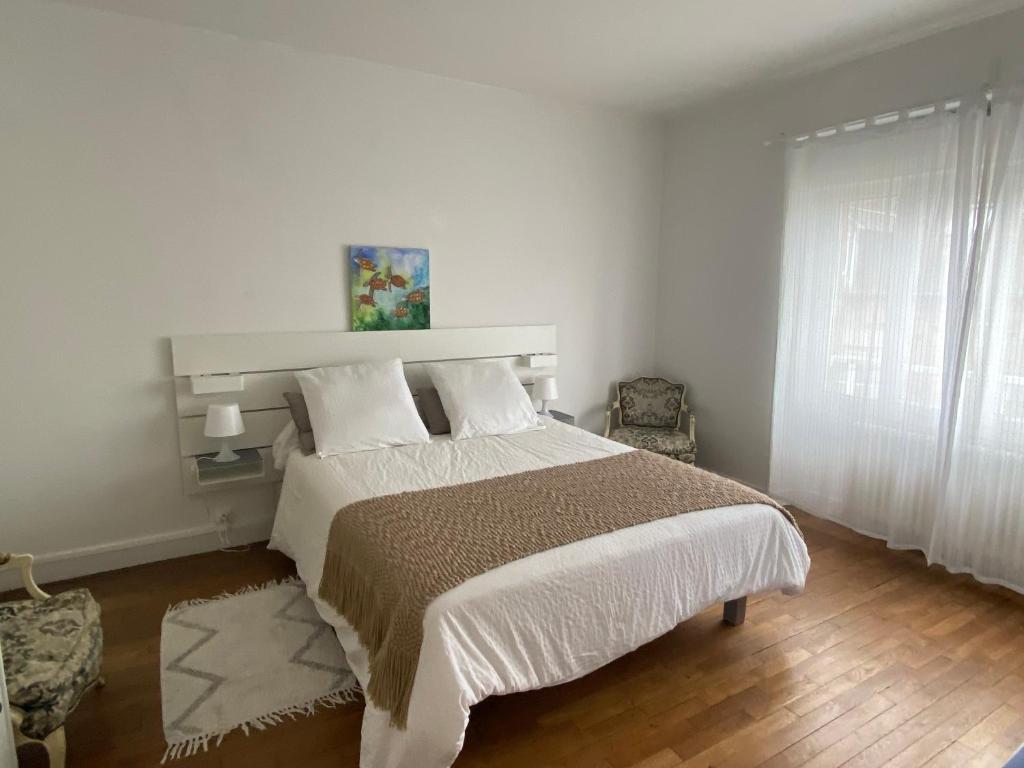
(735, 611)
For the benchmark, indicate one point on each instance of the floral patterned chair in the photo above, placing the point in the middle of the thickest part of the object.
(650, 416)
(52, 647)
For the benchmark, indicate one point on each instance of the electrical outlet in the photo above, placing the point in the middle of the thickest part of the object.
(221, 518)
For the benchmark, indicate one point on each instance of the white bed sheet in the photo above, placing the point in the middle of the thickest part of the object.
(545, 619)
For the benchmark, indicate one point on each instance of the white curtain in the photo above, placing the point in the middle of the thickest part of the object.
(899, 391)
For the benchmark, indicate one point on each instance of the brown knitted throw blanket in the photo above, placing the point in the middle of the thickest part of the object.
(390, 556)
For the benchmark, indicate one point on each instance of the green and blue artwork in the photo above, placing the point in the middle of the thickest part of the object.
(390, 288)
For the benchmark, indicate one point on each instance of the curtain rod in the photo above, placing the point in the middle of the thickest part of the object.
(884, 118)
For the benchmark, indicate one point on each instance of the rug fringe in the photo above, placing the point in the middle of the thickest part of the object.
(175, 607)
(192, 745)
(188, 747)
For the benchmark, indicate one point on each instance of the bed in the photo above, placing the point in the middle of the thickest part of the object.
(538, 621)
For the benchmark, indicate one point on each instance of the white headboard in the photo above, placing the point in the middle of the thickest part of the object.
(268, 362)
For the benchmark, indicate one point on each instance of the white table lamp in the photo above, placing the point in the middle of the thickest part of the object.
(545, 388)
(224, 421)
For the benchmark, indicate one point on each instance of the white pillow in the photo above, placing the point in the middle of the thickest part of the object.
(361, 407)
(483, 398)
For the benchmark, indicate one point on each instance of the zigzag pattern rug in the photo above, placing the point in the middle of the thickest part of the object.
(246, 660)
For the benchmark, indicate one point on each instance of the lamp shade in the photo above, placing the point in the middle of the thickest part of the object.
(223, 421)
(545, 388)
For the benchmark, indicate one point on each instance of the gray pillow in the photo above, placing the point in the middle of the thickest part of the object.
(300, 415)
(433, 411)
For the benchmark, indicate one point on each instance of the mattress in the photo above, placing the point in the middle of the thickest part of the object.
(539, 621)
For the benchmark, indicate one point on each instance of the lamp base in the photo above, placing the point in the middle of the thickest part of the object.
(226, 454)
(544, 408)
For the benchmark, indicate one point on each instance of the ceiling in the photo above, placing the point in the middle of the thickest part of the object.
(650, 55)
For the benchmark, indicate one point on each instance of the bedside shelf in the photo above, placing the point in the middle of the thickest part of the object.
(198, 477)
(565, 418)
(248, 466)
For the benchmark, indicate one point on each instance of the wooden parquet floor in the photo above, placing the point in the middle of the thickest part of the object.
(882, 661)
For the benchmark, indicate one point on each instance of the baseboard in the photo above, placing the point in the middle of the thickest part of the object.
(72, 563)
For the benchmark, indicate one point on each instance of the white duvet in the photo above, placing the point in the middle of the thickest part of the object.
(542, 620)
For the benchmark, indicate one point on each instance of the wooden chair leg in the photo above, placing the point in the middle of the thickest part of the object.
(735, 611)
(54, 744)
(56, 748)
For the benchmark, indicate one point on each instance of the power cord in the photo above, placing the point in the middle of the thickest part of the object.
(220, 522)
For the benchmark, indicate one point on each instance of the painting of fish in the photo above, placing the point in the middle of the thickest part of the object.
(390, 288)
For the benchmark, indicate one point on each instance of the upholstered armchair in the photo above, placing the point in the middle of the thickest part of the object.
(52, 648)
(652, 414)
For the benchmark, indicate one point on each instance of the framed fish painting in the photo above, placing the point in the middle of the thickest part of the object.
(390, 288)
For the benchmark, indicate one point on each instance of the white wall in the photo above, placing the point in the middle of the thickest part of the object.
(159, 180)
(723, 213)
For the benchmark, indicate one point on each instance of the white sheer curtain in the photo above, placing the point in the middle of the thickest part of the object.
(899, 393)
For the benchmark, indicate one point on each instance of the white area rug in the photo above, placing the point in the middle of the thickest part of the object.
(246, 660)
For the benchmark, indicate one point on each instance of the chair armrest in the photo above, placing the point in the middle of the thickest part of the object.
(608, 417)
(24, 564)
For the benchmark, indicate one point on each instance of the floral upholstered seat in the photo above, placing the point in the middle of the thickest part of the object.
(52, 649)
(651, 414)
(665, 440)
